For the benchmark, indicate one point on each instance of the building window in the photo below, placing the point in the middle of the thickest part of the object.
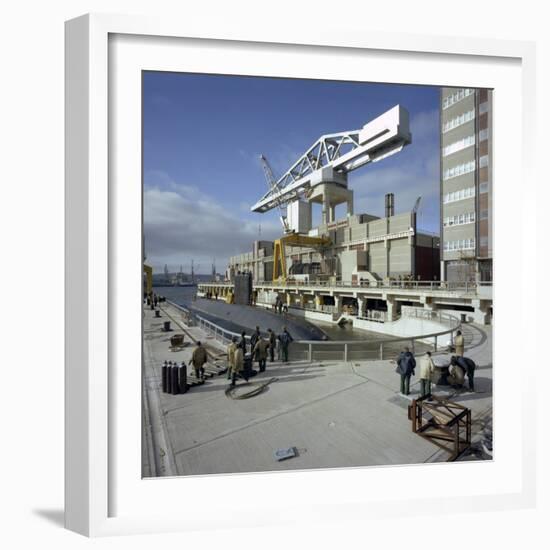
(483, 161)
(483, 107)
(460, 219)
(484, 214)
(456, 96)
(483, 241)
(459, 170)
(461, 244)
(459, 145)
(484, 134)
(459, 195)
(458, 121)
(484, 187)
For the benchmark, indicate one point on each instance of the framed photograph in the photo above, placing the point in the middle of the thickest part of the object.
(283, 254)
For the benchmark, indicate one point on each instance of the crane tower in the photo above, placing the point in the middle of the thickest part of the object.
(320, 175)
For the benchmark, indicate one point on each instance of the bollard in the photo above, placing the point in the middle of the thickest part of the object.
(175, 379)
(164, 376)
(169, 377)
(167, 326)
(183, 378)
(157, 313)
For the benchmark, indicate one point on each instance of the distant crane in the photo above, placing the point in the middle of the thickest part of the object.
(414, 212)
(416, 205)
(274, 188)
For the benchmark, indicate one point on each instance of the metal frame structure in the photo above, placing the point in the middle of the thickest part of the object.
(294, 239)
(274, 187)
(334, 155)
(449, 425)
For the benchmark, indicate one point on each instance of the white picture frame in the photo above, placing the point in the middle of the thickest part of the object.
(105, 498)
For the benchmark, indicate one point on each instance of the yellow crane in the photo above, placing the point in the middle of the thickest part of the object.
(148, 271)
(292, 239)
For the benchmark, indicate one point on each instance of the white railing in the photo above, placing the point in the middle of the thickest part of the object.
(374, 315)
(468, 287)
(348, 350)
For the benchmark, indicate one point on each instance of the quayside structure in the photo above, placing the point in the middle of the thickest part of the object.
(320, 176)
(370, 265)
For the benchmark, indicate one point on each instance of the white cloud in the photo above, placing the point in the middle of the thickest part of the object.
(182, 223)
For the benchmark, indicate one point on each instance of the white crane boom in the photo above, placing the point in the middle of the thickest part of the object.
(274, 188)
(339, 153)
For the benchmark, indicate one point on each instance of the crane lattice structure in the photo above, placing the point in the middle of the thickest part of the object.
(274, 188)
(334, 155)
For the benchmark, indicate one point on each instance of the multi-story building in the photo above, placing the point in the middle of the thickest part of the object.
(466, 184)
(363, 247)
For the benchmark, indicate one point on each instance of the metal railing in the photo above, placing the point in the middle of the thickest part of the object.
(218, 333)
(348, 350)
(430, 315)
(374, 315)
(467, 287)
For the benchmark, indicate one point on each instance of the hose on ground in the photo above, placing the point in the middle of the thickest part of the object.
(258, 388)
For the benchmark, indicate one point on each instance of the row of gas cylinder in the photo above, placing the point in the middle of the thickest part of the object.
(174, 378)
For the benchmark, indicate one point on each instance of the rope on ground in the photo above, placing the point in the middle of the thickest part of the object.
(258, 388)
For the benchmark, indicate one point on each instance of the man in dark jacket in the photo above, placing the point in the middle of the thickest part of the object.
(272, 344)
(405, 368)
(253, 340)
(242, 342)
(285, 340)
(469, 367)
(198, 359)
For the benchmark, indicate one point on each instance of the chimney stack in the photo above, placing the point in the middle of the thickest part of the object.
(389, 205)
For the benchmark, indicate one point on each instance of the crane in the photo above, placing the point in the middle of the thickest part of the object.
(333, 156)
(274, 188)
(320, 174)
(416, 205)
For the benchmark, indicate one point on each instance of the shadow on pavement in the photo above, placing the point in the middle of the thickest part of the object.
(482, 339)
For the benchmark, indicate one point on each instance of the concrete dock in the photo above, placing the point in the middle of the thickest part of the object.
(336, 414)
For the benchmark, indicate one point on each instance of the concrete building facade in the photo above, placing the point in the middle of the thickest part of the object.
(466, 184)
(363, 248)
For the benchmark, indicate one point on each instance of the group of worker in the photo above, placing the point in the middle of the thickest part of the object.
(260, 348)
(152, 299)
(459, 368)
(279, 306)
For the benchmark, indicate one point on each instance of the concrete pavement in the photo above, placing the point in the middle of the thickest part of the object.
(336, 414)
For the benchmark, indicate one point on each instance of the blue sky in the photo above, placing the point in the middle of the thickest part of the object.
(203, 135)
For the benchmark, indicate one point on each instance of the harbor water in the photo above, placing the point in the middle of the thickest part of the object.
(184, 296)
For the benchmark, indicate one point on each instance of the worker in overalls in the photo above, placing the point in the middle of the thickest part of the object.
(260, 352)
(238, 365)
(285, 339)
(231, 348)
(459, 343)
(199, 359)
